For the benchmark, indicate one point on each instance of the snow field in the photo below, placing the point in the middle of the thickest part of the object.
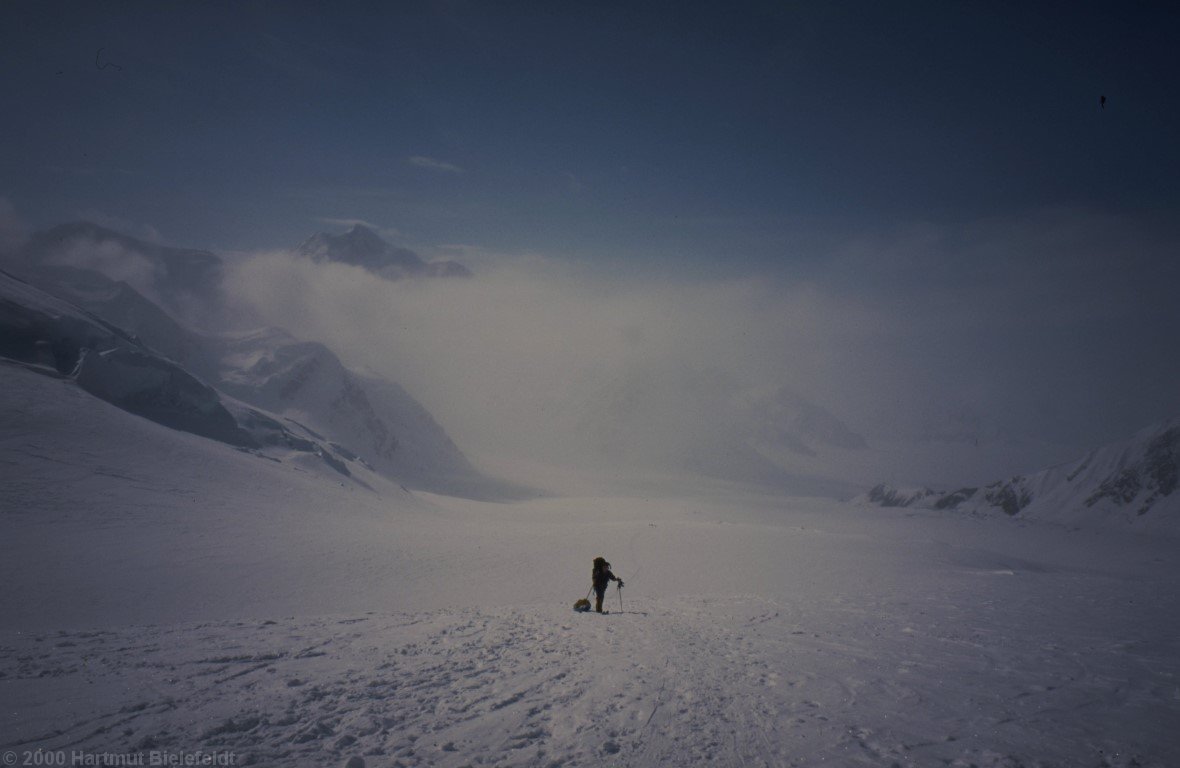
(165, 591)
(732, 681)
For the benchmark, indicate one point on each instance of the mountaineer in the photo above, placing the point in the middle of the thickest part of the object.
(601, 576)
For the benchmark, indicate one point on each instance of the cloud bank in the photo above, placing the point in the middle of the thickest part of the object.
(1058, 329)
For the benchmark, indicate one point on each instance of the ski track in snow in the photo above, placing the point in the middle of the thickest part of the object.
(737, 681)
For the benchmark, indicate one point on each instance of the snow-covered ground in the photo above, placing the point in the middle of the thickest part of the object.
(168, 594)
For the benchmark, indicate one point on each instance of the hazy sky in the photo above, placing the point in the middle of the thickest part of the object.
(927, 198)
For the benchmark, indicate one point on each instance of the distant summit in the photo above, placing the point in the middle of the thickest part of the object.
(362, 247)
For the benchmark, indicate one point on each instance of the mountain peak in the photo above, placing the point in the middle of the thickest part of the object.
(360, 236)
(361, 246)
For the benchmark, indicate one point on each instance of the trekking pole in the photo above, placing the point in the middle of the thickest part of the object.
(620, 588)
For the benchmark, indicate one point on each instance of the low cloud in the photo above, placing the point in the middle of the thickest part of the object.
(114, 261)
(533, 354)
(1058, 330)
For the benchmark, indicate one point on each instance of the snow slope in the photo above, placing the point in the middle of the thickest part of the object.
(164, 592)
(120, 305)
(56, 338)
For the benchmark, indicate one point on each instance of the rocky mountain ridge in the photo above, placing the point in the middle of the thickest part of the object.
(1134, 480)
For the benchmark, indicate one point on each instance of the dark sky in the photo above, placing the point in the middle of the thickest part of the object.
(935, 183)
(717, 132)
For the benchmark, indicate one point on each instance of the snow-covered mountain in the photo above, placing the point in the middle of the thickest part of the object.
(51, 336)
(183, 281)
(360, 246)
(263, 370)
(124, 307)
(1133, 480)
(46, 331)
(374, 417)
